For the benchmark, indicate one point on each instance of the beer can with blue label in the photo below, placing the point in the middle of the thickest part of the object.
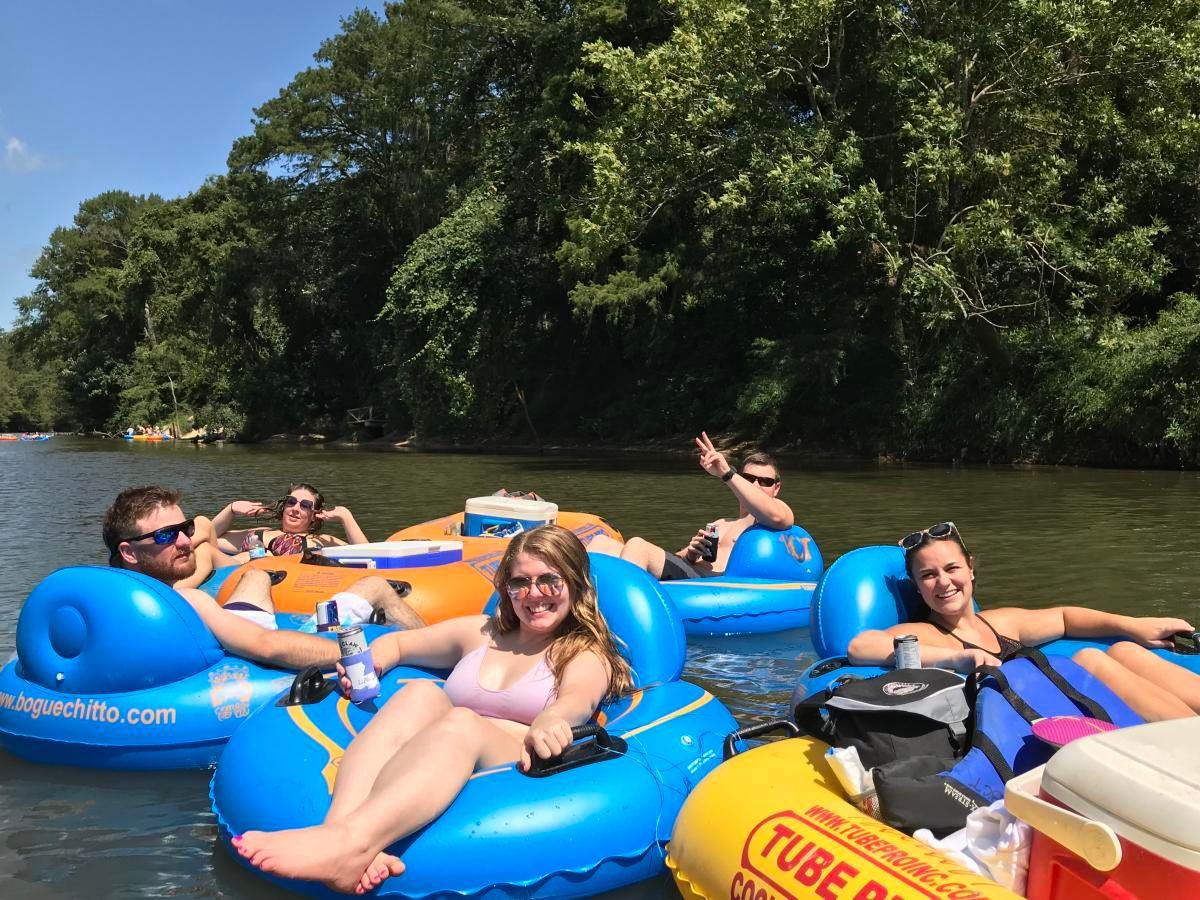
(327, 615)
(908, 652)
(359, 666)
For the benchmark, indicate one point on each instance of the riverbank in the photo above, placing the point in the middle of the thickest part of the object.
(733, 445)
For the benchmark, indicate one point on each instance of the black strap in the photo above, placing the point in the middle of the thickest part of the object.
(984, 745)
(1084, 702)
(808, 716)
(1014, 700)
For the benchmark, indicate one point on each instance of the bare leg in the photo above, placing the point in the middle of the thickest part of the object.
(602, 543)
(645, 555)
(417, 706)
(415, 786)
(381, 595)
(1160, 672)
(254, 588)
(1148, 700)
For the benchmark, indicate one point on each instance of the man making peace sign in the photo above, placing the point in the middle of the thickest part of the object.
(756, 486)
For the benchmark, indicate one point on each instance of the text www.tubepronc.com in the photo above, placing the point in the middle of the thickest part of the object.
(90, 710)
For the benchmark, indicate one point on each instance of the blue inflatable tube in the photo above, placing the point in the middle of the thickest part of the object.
(587, 829)
(115, 670)
(869, 588)
(767, 586)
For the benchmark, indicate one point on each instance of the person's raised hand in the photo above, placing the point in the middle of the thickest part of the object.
(548, 736)
(248, 508)
(337, 514)
(712, 460)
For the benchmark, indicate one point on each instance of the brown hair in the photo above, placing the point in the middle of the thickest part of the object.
(927, 540)
(585, 628)
(761, 459)
(318, 504)
(120, 519)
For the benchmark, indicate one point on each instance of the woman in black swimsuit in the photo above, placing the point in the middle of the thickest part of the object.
(957, 636)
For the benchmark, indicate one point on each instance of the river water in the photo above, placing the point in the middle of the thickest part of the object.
(1119, 540)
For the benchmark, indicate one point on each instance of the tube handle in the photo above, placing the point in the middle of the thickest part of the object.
(759, 730)
(1094, 842)
(602, 747)
(309, 686)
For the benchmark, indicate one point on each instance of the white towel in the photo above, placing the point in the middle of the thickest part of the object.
(994, 843)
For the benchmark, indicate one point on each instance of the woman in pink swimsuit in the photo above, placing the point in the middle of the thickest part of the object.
(521, 680)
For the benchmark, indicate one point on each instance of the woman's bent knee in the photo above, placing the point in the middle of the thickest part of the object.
(1090, 658)
(1127, 651)
(371, 586)
(423, 689)
(422, 694)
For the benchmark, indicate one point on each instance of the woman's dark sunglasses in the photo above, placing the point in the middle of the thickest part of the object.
(305, 505)
(937, 532)
(169, 534)
(548, 585)
(764, 480)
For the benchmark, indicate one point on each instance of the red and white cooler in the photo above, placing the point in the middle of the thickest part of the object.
(1115, 815)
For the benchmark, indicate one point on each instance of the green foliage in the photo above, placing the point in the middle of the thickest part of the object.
(940, 229)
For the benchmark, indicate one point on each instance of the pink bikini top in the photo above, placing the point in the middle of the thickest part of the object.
(519, 703)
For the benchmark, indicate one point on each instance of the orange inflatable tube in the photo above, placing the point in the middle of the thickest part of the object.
(586, 525)
(435, 592)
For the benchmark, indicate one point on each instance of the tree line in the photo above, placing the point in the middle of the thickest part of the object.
(933, 230)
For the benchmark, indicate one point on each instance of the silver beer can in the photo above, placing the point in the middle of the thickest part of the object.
(352, 641)
(908, 652)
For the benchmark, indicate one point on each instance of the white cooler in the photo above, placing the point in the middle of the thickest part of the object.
(505, 516)
(1116, 815)
(396, 554)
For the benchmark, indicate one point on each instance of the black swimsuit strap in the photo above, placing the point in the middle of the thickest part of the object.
(1006, 644)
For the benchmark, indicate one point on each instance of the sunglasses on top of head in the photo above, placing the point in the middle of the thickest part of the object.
(548, 585)
(306, 505)
(765, 480)
(167, 535)
(938, 532)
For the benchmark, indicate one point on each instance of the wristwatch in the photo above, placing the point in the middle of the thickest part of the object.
(728, 476)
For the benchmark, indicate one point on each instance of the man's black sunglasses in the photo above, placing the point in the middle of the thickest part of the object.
(167, 535)
(765, 480)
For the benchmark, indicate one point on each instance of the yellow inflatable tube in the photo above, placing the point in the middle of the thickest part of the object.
(773, 824)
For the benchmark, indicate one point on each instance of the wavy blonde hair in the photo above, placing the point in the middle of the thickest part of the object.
(584, 628)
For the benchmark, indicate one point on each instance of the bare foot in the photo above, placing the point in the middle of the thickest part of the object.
(329, 853)
(382, 866)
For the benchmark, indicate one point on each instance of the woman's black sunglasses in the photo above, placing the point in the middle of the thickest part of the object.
(936, 532)
(168, 534)
(305, 505)
(764, 480)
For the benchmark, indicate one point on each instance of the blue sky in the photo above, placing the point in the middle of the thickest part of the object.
(145, 96)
